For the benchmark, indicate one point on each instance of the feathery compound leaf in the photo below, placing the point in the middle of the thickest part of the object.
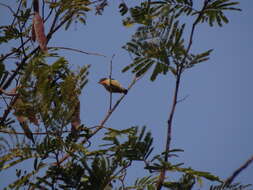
(136, 147)
(214, 12)
(196, 173)
(186, 182)
(10, 32)
(52, 91)
(157, 44)
(25, 178)
(147, 182)
(198, 58)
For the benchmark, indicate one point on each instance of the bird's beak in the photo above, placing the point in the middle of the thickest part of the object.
(101, 82)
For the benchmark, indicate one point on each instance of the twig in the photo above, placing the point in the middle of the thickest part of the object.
(21, 37)
(110, 78)
(8, 110)
(77, 50)
(8, 93)
(49, 14)
(230, 179)
(175, 99)
(15, 14)
(43, 9)
(4, 100)
(120, 171)
(22, 133)
(14, 51)
(8, 7)
(182, 99)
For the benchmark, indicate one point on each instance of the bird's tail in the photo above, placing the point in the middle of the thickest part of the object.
(125, 91)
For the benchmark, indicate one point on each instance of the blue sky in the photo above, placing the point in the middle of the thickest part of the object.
(213, 125)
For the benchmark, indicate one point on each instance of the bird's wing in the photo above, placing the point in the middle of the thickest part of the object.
(115, 83)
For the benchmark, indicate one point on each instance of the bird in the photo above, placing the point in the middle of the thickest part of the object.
(112, 85)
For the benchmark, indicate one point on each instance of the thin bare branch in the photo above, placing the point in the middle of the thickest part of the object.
(8, 7)
(231, 178)
(8, 110)
(182, 99)
(175, 98)
(118, 172)
(18, 9)
(77, 50)
(22, 133)
(10, 93)
(13, 51)
(110, 78)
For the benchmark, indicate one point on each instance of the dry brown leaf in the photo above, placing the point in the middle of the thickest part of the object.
(39, 32)
(33, 37)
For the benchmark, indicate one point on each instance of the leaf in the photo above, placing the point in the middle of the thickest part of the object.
(206, 175)
(23, 123)
(128, 23)
(214, 12)
(75, 120)
(39, 32)
(33, 35)
(123, 8)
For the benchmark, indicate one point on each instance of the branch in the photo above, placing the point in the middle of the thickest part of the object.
(14, 51)
(22, 133)
(15, 15)
(8, 7)
(110, 78)
(21, 36)
(11, 93)
(77, 50)
(230, 179)
(175, 98)
(118, 172)
(8, 110)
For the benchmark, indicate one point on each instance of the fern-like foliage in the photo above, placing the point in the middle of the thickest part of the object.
(234, 186)
(51, 91)
(214, 11)
(74, 10)
(186, 182)
(138, 145)
(159, 40)
(155, 45)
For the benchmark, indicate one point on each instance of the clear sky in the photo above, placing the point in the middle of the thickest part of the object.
(213, 125)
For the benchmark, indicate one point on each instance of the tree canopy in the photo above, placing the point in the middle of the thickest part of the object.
(40, 119)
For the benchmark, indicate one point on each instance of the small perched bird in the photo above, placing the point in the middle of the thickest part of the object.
(112, 86)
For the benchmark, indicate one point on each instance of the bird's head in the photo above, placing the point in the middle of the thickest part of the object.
(102, 81)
